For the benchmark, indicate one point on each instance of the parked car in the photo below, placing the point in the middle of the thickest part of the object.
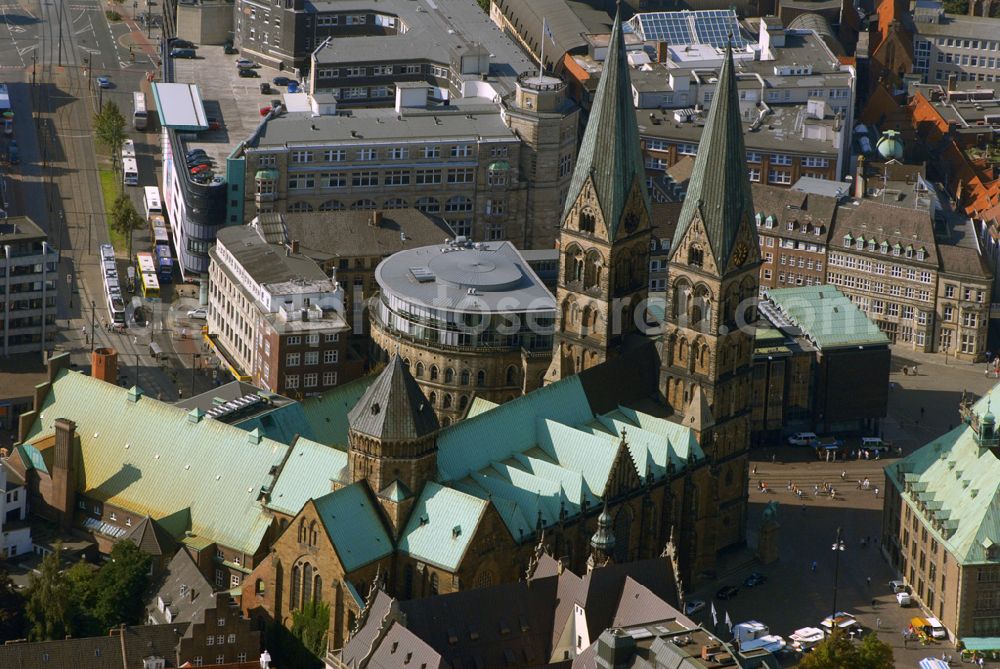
(247, 73)
(264, 111)
(196, 152)
(874, 444)
(13, 153)
(182, 53)
(214, 123)
(802, 439)
(694, 606)
(104, 82)
(282, 81)
(246, 63)
(198, 169)
(755, 579)
(898, 586)
(199, 314)
(177, 43)
(903, 598)
(199, 160)
(727, 592)
(265, 88)
(228, 48)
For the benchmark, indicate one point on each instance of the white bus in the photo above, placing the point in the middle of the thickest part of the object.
(130, 171)
(152, 201)
(128, 149)
(139, 115)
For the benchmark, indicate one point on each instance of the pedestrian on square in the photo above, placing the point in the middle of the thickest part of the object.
(755, 470)
(816, 491)
(878, 621)
(814, 565)
(876, 491)
(843, 475)
(869, 580)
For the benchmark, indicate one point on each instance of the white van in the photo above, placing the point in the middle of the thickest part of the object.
(803, 439)
(873, 444)
(937, 629)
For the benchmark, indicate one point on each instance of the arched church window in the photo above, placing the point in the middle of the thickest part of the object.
(587, 220)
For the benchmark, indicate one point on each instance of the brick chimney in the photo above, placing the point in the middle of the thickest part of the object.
(662, 52)
(64, 472)
(104, 365)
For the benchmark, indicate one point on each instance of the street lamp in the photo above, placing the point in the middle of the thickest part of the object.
(93, 325)
(838, 547)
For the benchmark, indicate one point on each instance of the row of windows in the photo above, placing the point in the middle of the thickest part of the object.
(374, 153)
(865, 265)
(851, 280)
(420, 177)
(311, 339)
(219, 659)
(310, 380)
(330, 356)
(427, 205)
(968, 294)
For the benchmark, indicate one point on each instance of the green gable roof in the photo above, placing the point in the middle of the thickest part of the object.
(610, 152)
(719, 189)
(827, 317)
(308, 472)
(354, 526)
(148, 457)
(441, 526)
(955, 483)
(282, 424)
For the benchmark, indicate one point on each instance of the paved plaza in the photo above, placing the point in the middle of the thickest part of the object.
(796, 596)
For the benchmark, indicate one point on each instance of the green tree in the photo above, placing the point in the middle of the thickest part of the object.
(11, 610)
(310, 625)
(875, 654)
(119, 587)
(109, 129)
(125, 219)
(839, 652)
(49, 611)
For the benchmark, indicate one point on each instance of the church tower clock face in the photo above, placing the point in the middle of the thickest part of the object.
(740, 254)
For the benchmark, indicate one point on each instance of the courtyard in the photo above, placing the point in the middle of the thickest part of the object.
(795, 595)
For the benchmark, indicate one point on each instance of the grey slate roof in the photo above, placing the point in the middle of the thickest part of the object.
(394, 408)
(719, 190)
(610, 152)
(151, 538)
(184, 590)
(99, 652)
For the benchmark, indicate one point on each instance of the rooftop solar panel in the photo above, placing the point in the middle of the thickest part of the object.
(711, 26)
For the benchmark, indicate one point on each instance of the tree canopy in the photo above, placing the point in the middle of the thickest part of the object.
(109, 129)
(125, 219)
(85, 600)
(839, 652)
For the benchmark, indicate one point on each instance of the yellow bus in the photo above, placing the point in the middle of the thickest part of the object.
(148, 281)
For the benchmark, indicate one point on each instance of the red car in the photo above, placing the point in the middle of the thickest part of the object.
(264, 111)
(198, 169)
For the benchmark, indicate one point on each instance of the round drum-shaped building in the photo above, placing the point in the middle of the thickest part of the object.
(470, 320)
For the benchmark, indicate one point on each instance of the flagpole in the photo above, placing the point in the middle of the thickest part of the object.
(541, 57)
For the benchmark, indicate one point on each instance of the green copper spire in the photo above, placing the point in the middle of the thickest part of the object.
(719, 189)
(610, 152)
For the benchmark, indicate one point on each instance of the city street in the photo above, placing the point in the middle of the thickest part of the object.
(50, 55)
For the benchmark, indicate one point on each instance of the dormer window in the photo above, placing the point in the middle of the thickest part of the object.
(848, 240)
(872, 245)
(885, 247)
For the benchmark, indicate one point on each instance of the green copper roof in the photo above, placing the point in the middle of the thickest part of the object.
(827, 317)
(148, 457)
(547, 454)
(955, 484)
(308, 472)
(719, 189)
(33, 457)
(354, 526)
(610, 152)
(441, 526)
(327, 413)
(283, 423)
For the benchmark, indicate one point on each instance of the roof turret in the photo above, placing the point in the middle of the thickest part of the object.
(393, 408)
